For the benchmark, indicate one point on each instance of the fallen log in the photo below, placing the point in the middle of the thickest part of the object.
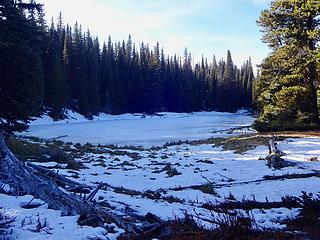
(24, 179)
(35, 180)
(292, 176)
(249, 205)
(264, 179)
(94, 192)
(55, 176)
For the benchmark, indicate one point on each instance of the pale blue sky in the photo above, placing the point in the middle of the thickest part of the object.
(203, 26)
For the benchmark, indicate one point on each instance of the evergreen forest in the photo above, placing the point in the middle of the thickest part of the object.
(54, 67)
(65, 67)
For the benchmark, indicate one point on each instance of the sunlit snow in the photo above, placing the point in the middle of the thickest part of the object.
(138, 129)
(132, 170)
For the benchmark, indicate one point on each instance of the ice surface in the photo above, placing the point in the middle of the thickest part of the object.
(138, 129)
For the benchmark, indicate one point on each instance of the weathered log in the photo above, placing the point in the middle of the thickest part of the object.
(57, 177)
(274, 157)
(94, 192)
(27, 178)
(23, 178)
(264, 179)
(292, 176)
(249, 205)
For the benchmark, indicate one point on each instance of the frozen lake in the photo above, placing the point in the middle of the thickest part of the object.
(138, 129)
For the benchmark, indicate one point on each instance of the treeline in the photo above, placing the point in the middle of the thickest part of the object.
(118, 77)
(57, 67)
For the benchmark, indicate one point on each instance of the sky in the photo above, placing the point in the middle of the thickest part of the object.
(205, 27)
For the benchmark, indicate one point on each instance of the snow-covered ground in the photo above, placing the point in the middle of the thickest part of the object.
(137, 129)
(131, 173)
(43, 223)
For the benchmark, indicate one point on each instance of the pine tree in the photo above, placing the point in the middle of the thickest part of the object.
(186, 87)
(287, 85)
(67, 59)
(138, 94)
(55, 85)
(21, 78)
(120, 80)
(154, 91)
(226, 96)
(249, 85)
(92, 56)
(79, 77)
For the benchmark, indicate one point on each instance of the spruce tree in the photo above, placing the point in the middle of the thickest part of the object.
(153, 88)
(79, 75)
(92, 56)
(287, 86)
(186, 86)
(55, 85)
(21, 72)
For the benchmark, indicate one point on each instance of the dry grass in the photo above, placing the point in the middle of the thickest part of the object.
(293, 134)
(243, 144)
(235, 226)
(36, 152)
(308, 219)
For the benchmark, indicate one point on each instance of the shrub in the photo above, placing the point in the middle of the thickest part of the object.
(288, 109)
(206, 188)
(308, 220)
(36, 152)
(231, 226)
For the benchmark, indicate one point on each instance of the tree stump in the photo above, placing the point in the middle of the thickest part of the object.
(274, 158)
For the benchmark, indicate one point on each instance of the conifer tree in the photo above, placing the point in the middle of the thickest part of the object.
(153, 89)
(55, 85)
(186, 86)
(287, 85)
(21, 72)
